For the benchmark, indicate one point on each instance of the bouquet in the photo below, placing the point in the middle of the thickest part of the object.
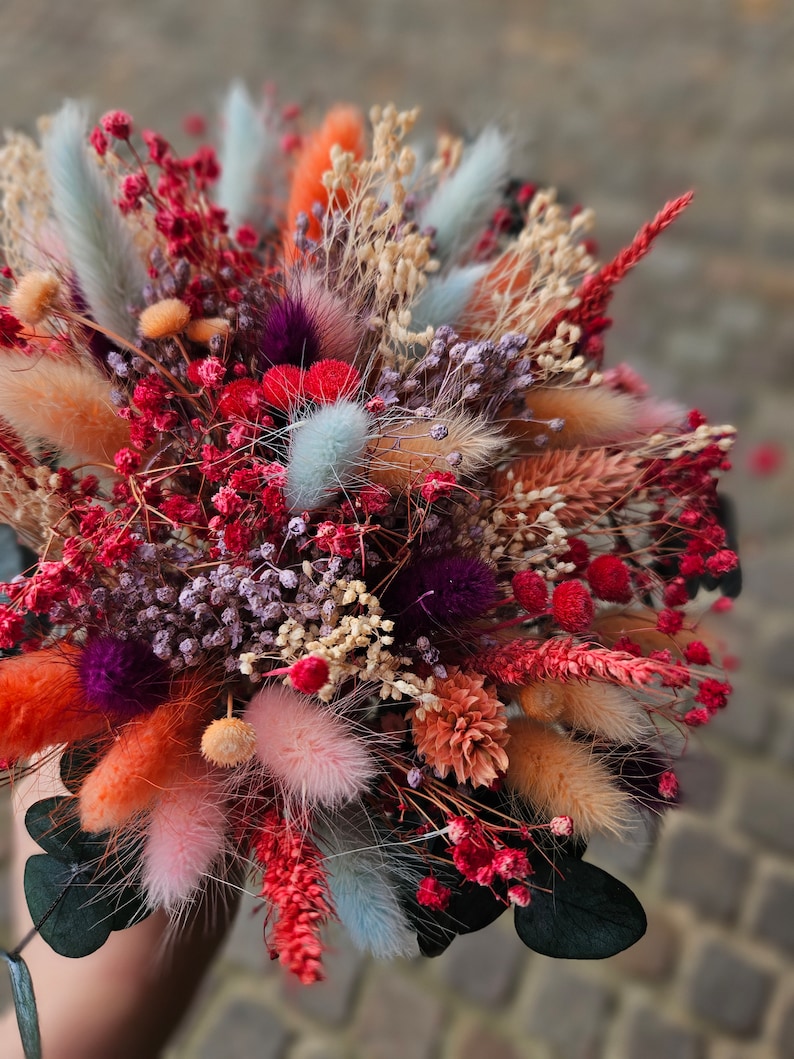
(355, 571)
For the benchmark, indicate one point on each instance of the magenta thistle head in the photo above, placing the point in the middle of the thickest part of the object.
(442, 591)
(292, 335)
(122, 678)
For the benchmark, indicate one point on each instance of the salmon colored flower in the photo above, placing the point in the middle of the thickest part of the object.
(463, 729)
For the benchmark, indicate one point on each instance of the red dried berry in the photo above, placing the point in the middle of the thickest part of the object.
(117, 123)
(531, 591)
(578, 553)
(572, 606)
(432, 894)
(609, 579)
(283, 386)
(309, 674)
(331, 380)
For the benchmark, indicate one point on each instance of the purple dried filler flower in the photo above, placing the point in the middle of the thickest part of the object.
(122, 677)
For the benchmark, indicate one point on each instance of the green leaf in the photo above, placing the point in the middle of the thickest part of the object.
(72, 913)
(80, 891)
(53, 823)
(77, 762)
(579, 912)
(24, 1004)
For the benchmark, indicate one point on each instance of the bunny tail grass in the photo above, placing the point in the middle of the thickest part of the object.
(101, 248)
(364, 896)
(464, 202)
(248, 151)
(445, 297)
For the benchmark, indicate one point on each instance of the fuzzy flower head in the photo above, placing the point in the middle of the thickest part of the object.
(442, 591)
(464, 730)
(123, 678)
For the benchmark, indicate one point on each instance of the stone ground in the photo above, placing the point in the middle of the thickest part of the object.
(623, 103)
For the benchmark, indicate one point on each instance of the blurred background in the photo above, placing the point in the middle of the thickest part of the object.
(622, 104)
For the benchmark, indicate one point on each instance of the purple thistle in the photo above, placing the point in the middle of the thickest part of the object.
(291, 335)
(443, 591)
(122, 677)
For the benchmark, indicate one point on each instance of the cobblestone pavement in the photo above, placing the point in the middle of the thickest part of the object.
(623, 103)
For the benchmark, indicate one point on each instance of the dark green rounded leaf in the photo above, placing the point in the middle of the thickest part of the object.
(72, 914)
(77, 762)
(579, 912)
(53, 823)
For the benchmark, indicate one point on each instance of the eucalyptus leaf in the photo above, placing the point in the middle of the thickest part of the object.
(53, 825)
(72, 913)
(80, 891)
(579, 912)
(24, 1004)
(77, 762)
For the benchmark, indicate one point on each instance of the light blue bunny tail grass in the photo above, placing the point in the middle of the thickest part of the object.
(100, 246)
(465, 201)
(364, 894)
(446, 296)
(327, 449)
(249, 156)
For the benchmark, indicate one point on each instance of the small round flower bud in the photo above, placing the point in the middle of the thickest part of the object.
(34, 296)
(166, 317)
(228, 741)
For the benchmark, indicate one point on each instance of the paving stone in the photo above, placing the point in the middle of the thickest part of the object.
(701, 777)
(729, 989)
(704, 870)
(243, 1029)
(653, 957)
(396, 1018)
(766, 808)
(785, 1032)
(568, 1011)
(750, 718)
(245, 946)
(773, 919)
(779, 658)
(653, 1036)
(482, 1043)
(483, 966)
(625, 857)
(330, 1000)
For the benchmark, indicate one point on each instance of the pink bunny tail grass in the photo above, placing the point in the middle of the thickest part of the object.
(307, 748)
(340, 330)
(184, 838)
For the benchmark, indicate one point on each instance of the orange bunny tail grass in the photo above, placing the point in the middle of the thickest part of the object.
(343, 127)
(563, 778)
(589, 415)
(590, 483)
(146, 756)
(601, 708)
(74, 412)
(505, 283)
(42, 703)
(406, 451)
